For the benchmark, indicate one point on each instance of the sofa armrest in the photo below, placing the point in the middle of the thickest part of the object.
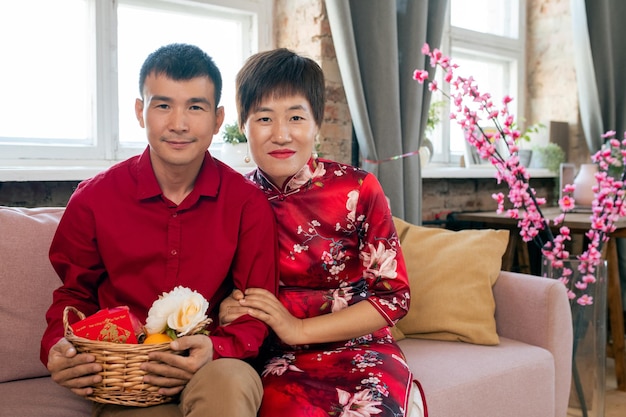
(536, 311)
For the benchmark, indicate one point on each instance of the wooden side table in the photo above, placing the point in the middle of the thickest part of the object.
(579, 223)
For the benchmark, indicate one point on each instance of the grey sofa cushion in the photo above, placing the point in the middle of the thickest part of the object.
(44, 398)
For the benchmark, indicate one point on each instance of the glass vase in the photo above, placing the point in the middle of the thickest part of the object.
(587, 391)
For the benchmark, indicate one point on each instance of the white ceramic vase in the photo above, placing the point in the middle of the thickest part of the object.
(424, 153)
(584, 182)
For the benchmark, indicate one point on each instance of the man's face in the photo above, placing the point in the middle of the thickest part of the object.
(180, 119)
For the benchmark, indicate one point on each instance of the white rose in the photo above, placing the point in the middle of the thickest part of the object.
(181, 310)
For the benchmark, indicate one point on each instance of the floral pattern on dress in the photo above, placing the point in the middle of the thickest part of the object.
(359, 404)
(338, 247)
(280, 365)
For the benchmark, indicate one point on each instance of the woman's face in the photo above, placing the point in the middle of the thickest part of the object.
(281, 133)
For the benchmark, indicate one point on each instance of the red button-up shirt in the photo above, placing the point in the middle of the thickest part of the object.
(121, 242)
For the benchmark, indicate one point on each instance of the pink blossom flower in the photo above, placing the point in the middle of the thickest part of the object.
(585, 300)
(420, 76)
(589, 279)
(566, 203)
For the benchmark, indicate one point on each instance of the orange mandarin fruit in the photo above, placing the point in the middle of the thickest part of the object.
(157, 338)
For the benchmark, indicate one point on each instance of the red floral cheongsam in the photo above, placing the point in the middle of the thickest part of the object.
(338, 246)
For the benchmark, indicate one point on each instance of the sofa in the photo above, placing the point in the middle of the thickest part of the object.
(526, 373)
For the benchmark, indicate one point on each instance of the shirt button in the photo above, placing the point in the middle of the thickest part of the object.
(220, 347)
(175, 215)
(174, 252)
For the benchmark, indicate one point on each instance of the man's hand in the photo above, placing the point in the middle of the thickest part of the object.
(231, 309)
(78, 372)
(175, 371)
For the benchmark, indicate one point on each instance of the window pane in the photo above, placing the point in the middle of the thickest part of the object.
(218, 35)
(492, 76)
(45, 86)
(496, 17)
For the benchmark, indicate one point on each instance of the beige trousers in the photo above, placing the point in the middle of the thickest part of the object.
(222, 388)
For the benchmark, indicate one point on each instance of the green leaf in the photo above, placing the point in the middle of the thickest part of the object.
(171, 333)
(232, 134)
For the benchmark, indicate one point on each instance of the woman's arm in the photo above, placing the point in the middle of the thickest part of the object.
(354, 321)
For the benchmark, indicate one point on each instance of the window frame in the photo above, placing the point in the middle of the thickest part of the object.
(487, 45)
(43, 159)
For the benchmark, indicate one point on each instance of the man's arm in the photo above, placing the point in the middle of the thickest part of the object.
(75, 258)
(256, 266)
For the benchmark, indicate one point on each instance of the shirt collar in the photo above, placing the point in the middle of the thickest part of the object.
(207, 182)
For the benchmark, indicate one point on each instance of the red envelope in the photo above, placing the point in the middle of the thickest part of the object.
(107, 325)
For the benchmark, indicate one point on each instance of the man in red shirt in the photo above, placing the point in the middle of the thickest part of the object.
(171, 216)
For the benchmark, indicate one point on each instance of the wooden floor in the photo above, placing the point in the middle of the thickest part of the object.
(615, 402)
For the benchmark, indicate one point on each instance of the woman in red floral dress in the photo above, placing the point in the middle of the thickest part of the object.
(343, 280)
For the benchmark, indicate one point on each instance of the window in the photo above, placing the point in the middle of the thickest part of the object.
(487, 39)
(70, 89)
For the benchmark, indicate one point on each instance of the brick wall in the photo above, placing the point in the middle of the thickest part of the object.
(36, 193)
(302, 25)
(441, 197)
(551, 91)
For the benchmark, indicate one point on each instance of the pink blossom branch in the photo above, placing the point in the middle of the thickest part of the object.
(608, 205)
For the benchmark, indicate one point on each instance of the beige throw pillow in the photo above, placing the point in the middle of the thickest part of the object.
(451, 275)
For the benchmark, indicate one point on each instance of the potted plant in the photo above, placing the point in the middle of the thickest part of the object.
(524, 154)
(549, 156)
(434, 118)
(233, 135)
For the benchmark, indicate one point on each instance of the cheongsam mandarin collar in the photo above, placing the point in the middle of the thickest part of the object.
(314, 168)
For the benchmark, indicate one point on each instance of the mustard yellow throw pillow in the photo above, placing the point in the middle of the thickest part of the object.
(451, 275)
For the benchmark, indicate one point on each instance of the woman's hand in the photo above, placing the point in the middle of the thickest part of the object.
(353, 321)
(263, 305)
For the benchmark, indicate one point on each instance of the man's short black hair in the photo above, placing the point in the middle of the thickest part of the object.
(180, 61)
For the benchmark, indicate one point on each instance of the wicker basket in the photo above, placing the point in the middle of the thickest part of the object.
(122, 379)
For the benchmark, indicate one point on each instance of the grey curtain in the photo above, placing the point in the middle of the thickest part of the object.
(378, 45)
(600, 59)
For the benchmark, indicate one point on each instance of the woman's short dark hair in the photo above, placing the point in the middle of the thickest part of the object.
(279, 73)
(181, 62)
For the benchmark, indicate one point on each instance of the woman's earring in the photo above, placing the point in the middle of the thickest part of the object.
(316, 145)
(247, 159)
